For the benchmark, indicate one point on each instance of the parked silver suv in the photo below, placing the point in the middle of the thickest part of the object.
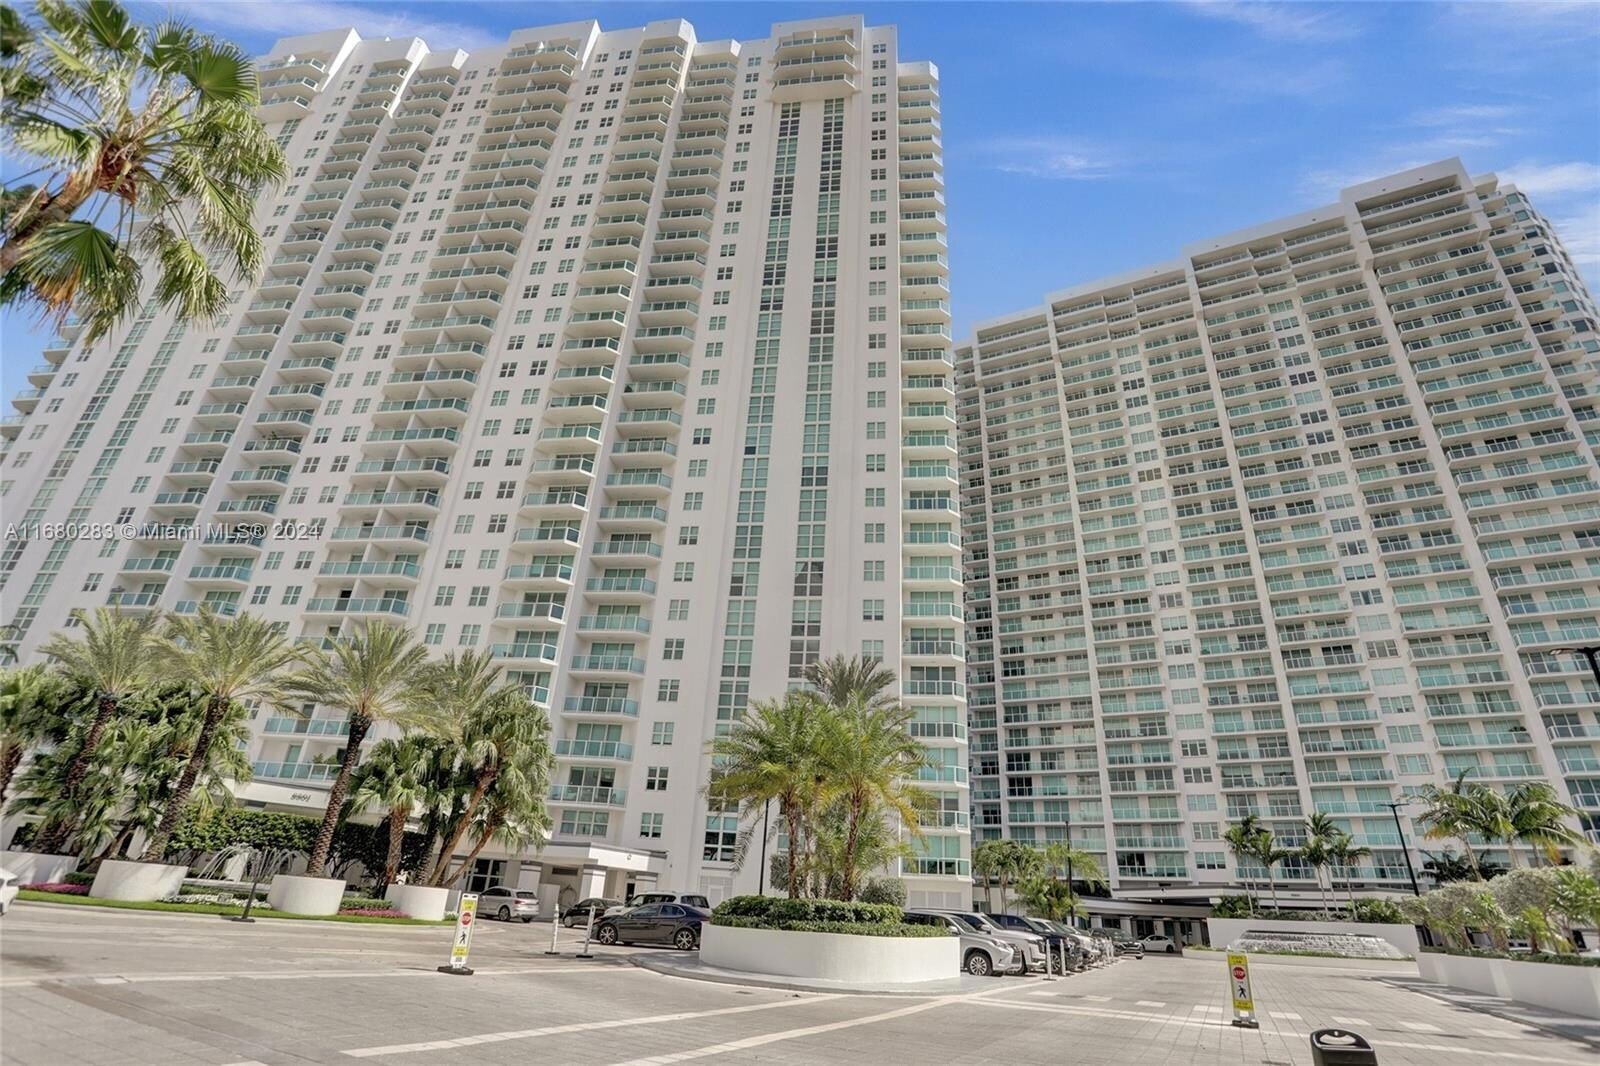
(1029, 946)
(981, 955)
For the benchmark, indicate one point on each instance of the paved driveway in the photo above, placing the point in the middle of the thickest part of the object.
(117, 987)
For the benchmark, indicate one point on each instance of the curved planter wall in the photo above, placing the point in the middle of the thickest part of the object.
(37, 867)
(1573, 989)
(418, 901)
(305, 895)
(141, 882)
(831, 956)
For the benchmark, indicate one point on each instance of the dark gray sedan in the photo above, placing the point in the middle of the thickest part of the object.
(655, 923)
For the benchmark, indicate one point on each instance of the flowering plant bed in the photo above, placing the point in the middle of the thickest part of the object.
(66, 888)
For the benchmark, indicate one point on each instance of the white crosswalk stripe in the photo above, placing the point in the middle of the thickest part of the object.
(1350, 1021)
(1422, 1027)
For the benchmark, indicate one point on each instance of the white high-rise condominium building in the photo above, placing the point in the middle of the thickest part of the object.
(1299, 521)
(623, 355)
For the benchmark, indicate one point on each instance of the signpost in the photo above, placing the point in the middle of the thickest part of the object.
(587, 931)
(466, 914)
(1244, 1007)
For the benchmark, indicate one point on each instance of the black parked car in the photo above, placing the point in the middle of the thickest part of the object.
(655, 923)
(578, 913)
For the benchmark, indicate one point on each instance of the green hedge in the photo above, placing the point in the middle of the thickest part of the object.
(818, 916)
(850, 928)
(780, 909)
(1518, 956)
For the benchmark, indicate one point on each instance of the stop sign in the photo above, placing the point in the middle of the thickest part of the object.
(1238, 973)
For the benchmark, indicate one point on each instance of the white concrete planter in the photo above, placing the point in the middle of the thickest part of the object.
(37, 867)
(141, 882)
(858, 960)
(1571, 989)
(418, 901)
(305, 895)
(1225, 931)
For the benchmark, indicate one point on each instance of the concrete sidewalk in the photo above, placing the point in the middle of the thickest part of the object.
(1571, 1026)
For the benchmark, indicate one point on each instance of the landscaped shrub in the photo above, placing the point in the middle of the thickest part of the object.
(850, 928)
(1381, 911)
(778, 908)
(76, 878)
(62, 888)
(370, 903)
(890, 890)
(1569, 959)
(817, 916)
(373, 912)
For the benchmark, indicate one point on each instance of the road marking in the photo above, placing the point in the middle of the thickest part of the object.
(1151, 1003)
(1422, 1027)
(1098, 999)
(1199, 1023)
(810, 1030)
(295, 975)
(1350, 1021)
(576, 1027)
(1285, 1015)
(788, 1034)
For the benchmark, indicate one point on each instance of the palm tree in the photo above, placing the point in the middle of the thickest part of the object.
(1344, 853)
(771, 753)
(1013, 862)
(1063, 861)
(156, 126)
(870, 757)
(30, 702)
(1538, 818)
(513, 812)
(1271, 856)
(229, 660)
(1320, 833)
(392, 777)
(986, 860)
(491, 723)
(371, 677)
(1453, 813)
(113, 659)
(843, 680)
(1242, 839)
(1576, 897)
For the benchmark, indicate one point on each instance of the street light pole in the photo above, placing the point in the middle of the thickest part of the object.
(766, 812)
(1411, 871)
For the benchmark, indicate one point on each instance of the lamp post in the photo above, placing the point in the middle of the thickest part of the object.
(766, 812)
(1411, 871)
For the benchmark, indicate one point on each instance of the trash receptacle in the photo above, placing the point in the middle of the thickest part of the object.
(1338, 1047)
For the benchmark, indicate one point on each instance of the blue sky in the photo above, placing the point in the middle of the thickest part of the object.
(1085, 139)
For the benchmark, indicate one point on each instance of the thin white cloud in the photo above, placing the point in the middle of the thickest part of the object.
(1580, 235)
(1283, 22)
(292, 18)
(1463, 114)
(1553, 179)
(1051, 157)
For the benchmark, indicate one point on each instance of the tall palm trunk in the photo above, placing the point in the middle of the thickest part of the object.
(359, 724)
(1272, 886)
(8, 768)
(55, 838)
(791, 814)
(156, 849)
(490, 827)
(847, 887)
(1472, 858)
(397, 843)
(50, 209)
(480, 788)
